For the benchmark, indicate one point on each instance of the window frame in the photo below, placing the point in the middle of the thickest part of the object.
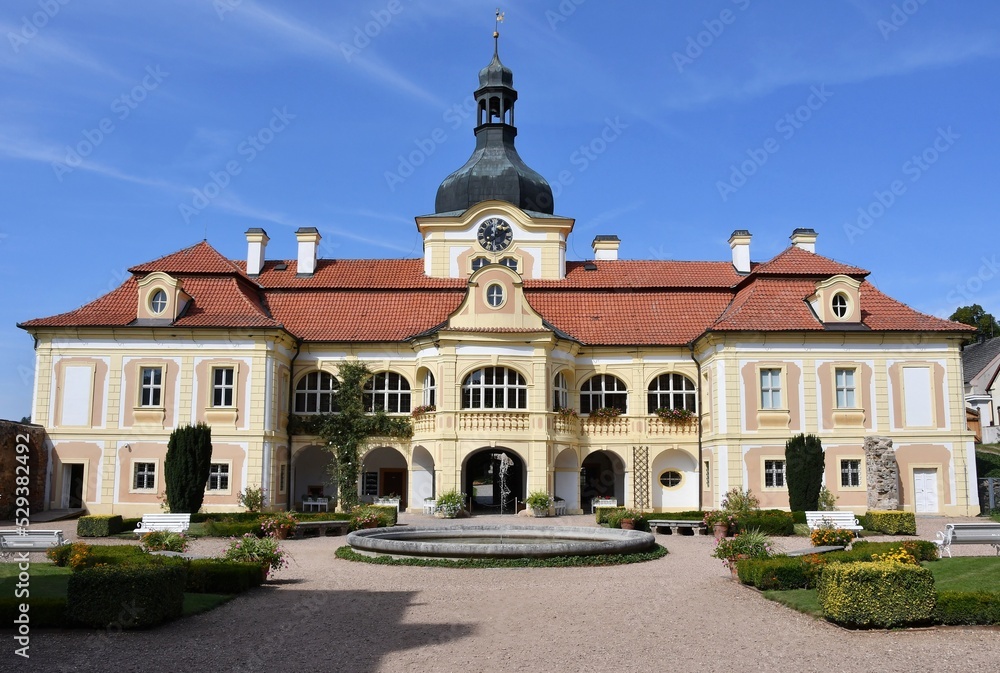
(588, 395)
(670, 392)
(775, 474)
(560, 392)
(486, 390)
(850, 391)
(490, 295)
(505, 261)
(844, 303)
(768, 393)
(378, 386)
(478, 262)
(228, 464)
(674, 487)
(318, 392)
(429, 394)
(224, 387)
(154, 295)
(859, 473)
(282, 478)
(155, 475)
(153, 387)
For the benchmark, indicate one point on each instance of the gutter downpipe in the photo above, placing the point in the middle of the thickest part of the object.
(701, 463)
(291, 406)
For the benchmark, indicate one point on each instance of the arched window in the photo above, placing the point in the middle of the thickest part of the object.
(386, 391)
(560, 393)
(603, 390)
(671, 391)
(430, 389)
(315, 393)
(494, 388)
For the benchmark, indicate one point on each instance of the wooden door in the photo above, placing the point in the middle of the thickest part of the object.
(393, 482)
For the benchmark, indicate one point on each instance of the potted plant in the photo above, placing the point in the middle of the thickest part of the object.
(606, 413)
(253, 549)
(423, 409)
(539, 502)
(677, 416)
(751, 544)
(566, 412)
(449, 504)
(279, 524)
(720, 521)
(629, 519)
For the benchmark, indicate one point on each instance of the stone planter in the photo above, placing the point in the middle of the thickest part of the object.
(627, 524)
(720, 530)
(540, 511)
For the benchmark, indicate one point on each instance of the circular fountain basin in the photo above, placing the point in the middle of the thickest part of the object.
(470, 542)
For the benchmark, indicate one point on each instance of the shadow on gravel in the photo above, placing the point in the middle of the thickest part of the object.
(265, 630)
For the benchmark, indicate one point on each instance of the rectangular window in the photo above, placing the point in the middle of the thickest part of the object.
(850, 473)
(218, 477)
(152, 387)
(708, 475)
(845, 388)
(222, 386)
(144, 476)
(770, 389)
(774, 474)
(283, 478)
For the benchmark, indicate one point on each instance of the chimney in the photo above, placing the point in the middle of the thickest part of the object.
(805, 239)
(256, 243)
(308, 238)
(606, 247)
(740, 244)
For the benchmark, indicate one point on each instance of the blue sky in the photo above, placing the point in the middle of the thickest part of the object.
(669, 124)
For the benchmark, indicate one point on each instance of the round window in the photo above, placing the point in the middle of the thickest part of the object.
(158, 302)
(671, 479)
(839, 305)
(494, 295)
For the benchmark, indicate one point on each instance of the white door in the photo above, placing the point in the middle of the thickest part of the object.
(925, 495)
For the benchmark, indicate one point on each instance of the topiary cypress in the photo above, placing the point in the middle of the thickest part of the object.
(186, 468)
(804, 465)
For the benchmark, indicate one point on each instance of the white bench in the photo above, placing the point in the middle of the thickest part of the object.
(387, 502)
(842, 520)
(29, 540)
(430, 505)
(968, 533)
(321, 504)
(175, 523)
(560, 506)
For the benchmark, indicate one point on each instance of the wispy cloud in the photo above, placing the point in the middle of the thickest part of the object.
(45, 50)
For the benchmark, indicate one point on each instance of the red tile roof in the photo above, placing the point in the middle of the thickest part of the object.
(199, 258)
(621, 302)
(361, 315)
(794, 261)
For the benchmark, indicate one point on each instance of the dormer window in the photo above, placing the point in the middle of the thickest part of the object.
(494, 295)
(479, 262)
(509, 262)
(839, 305)
(158, 302)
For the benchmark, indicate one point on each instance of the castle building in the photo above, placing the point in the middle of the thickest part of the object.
(661, 384)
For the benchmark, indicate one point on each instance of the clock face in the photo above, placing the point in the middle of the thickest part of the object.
(495, 235)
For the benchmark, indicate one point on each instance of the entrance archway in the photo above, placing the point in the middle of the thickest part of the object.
(311, 474)
(421, 475)
(601, 476)
(674, 481)
(384, 473)
(483, 479)
(567, 479)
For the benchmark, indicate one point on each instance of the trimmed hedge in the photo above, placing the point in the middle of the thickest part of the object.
(690, 515)
(601, 514)
(233, 528)
(780, 573)
(768, 521)
(127, 596)
(876, 594)
(967, 607)
(891, 522)
(210, 576)
(49, 611)
(130, 524)
(799, 517)
(862, 550)
(99, 526)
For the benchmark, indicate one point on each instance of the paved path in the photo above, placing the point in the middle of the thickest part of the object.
(682, 612)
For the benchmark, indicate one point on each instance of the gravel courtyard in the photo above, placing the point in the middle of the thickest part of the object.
(681, 612)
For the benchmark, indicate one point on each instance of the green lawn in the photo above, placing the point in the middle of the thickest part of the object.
(965, 573)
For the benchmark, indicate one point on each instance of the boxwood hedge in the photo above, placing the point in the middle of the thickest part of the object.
(876, 594)
(99, 525)
(130, 596)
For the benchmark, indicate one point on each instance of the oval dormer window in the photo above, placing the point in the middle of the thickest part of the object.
(494, 295)
(840, 305)
(158, 302)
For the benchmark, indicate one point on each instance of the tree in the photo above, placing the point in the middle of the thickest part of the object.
(348, 431)
(804, 465)
(985, 324)
(186, 467)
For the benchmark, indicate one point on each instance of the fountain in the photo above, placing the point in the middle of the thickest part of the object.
(491, 541)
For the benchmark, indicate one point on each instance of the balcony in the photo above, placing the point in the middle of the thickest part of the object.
(560, 427)
(657, 427)
(494, 421)
(425, 424)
